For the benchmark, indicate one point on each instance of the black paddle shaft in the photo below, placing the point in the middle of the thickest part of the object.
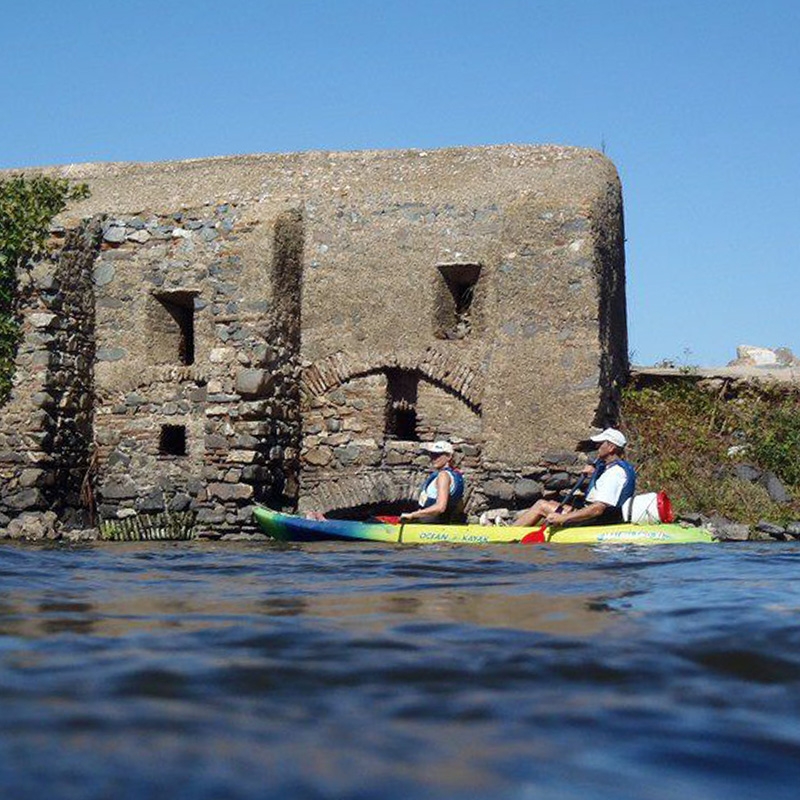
(571, 493)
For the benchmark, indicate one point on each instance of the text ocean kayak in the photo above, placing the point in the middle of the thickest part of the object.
(289, 528)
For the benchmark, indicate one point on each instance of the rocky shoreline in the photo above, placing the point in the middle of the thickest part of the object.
(44, 526)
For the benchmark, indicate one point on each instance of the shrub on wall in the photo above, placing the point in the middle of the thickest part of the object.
(27, 208)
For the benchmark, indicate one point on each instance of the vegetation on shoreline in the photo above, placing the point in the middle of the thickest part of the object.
(688, 436)
(27, 208)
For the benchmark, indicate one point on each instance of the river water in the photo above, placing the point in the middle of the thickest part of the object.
(233, 671)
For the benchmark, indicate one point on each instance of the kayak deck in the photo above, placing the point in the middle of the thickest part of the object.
(289, 528)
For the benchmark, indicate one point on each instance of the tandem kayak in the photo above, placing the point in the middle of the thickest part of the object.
(289, 528)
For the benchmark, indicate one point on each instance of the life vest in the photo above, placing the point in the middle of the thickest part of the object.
(628, 490)
(455, 497)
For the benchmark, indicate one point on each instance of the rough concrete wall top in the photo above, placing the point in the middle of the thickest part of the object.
(467, 174)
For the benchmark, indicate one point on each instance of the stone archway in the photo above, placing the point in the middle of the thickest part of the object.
(363, 460)
(446, 370)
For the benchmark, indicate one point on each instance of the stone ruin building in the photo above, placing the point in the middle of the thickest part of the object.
(286, 329)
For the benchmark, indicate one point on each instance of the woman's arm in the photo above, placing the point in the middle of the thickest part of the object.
(442, 495)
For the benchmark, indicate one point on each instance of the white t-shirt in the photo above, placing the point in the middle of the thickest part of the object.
(609, 486)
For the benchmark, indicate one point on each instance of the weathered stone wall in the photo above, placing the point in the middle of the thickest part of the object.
(196, 368)
(287, 328)
(71, 380)
(609, 237)
(45, 427)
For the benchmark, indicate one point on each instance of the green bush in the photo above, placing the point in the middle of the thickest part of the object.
(27, 208)
(775, 441)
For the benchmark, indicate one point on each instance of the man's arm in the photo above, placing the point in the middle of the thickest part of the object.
(572, 516)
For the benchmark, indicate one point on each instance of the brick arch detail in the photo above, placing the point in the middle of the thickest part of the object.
(440, 368)
(357, 490)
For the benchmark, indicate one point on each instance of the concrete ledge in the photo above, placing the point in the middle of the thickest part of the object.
(769, 374)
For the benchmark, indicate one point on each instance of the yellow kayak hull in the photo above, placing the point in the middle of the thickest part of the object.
(286, 527)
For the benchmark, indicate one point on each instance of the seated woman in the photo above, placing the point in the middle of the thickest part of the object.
(441, 498)
(613, 482)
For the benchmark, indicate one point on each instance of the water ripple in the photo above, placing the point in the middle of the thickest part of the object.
(248, 672)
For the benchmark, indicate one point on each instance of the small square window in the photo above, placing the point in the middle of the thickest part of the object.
(172, 441)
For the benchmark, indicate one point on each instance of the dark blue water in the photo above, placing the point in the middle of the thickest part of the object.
(363, 671)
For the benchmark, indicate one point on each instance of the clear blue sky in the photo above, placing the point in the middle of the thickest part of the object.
(697, 103)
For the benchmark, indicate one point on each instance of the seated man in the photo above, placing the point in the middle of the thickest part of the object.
(613, 481)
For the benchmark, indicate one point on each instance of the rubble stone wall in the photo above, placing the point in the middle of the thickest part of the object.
(196, 372)
(45, 427)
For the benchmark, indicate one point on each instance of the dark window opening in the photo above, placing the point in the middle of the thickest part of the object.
(401, 405)
(454, 300)
(405, 424)
(172, 441)
(172, 328)
(185, 320)
(287, 274)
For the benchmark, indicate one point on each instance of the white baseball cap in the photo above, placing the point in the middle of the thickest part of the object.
(439, 447)
(611, 435)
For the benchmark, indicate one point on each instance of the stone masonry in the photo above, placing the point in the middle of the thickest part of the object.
(286, 329)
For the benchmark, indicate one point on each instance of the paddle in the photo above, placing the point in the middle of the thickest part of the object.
(537, 536)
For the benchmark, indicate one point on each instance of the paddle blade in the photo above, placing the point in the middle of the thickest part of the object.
(535, 537)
